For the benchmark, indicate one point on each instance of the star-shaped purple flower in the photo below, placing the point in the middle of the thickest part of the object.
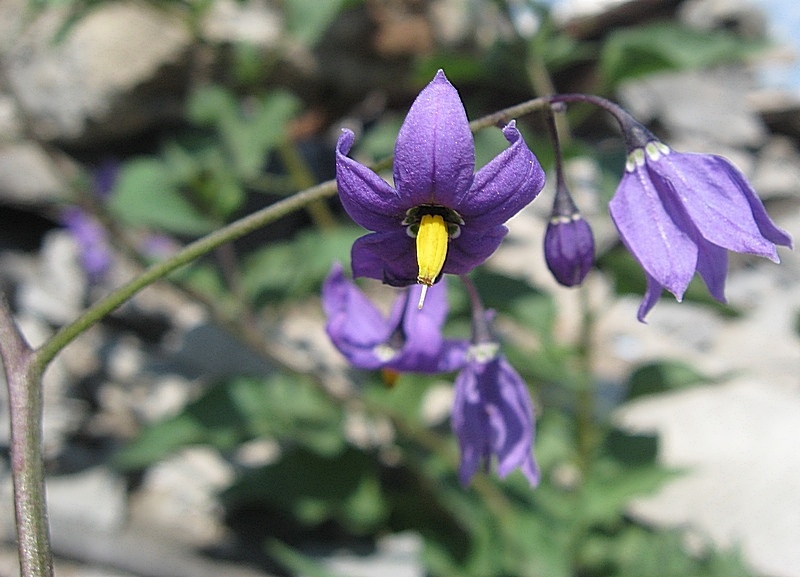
(678, 213)
(410, 340)
(440, 217)
(493, 415)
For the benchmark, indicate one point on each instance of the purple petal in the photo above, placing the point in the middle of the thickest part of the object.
(713, 199)
(434, 157)
(367, 198)
(712, 264)
(354, 325)
(104, 177)
(389, 257)
(425, 350)
(470, 423)
(651, 296)
(569, 250)
(763, 221)
(504, 186)
(472, 248)
(665, 250)
(493, 415)
(92, 240)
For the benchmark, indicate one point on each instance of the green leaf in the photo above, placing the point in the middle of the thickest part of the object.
(307, 20)
(145, 195)
(662, 376)
(210, 105)
(316, 488)
(272, 272)
(247, 132)
(610, 488)
(232, 412)
(632, 449)
(634, 52)
(251, 136)
(297, 561)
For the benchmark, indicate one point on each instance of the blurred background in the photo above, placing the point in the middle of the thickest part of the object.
(207, 427)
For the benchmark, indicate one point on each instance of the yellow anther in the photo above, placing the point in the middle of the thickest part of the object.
(432, 239)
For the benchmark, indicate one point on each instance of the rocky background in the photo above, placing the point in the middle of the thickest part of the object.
(78, 94)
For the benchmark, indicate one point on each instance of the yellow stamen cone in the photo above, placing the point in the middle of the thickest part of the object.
(432, 239)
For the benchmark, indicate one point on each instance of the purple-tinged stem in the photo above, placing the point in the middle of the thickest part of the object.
(23, 376)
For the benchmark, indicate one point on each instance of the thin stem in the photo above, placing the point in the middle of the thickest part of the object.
(189, 253)
(27, 462)
(585, 401)
(481, 333)
(301, 176)
(502, 117)
(543, 84)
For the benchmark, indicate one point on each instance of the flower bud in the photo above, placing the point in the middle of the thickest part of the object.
(569, 248)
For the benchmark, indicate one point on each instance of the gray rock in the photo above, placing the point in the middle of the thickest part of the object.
(55, 291)
(253, 21)
(744, 17)
(178, 496)
(777, 169)
(709, 105)
(396, 556)
(96, 497)
(117, 71)
(28, 176)
(738, 444)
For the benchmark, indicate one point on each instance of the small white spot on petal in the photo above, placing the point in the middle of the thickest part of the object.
(635, 159)
(483, 352)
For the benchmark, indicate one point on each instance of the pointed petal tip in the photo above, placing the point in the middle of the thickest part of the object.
(511, 132)
(345, 142)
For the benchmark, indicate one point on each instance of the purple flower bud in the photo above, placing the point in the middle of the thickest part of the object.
(568, 241)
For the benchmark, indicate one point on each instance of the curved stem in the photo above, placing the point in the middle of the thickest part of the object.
(191, 252)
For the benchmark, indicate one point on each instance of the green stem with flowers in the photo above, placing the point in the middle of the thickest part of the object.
(24, 365)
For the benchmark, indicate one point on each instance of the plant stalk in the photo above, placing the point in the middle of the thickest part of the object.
(23, 378)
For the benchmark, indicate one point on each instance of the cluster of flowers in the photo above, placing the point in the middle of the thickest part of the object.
(676, 213)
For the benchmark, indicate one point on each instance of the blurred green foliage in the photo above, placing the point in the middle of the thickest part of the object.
(577, 523)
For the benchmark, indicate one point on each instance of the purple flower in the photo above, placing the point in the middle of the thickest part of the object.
(678, 213)
(440, 217)
(568, 241)
(410, 340)
(493, 415)
(104, 177)
(92, 241)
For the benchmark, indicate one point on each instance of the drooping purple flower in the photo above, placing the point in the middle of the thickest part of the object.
(92, 241)
(493, 415)
(440, 217)
(678, 213)
(410, 340)
(568, 240)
